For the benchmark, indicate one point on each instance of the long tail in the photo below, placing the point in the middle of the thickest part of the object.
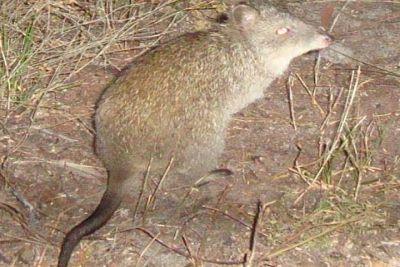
(108, 205)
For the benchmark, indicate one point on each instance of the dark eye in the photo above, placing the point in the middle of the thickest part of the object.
(283, 30)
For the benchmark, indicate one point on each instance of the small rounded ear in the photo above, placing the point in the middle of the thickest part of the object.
(245, 16)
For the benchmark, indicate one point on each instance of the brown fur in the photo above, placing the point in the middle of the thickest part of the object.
(176, 101)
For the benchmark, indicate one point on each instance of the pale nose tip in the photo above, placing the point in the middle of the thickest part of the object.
(328, 38)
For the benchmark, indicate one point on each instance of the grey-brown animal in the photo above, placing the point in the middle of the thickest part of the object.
(176, 100)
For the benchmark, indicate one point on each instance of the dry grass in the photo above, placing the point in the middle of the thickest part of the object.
(345, 171)
(45, 43)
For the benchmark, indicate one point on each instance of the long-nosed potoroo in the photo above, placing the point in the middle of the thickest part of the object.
(176, 100)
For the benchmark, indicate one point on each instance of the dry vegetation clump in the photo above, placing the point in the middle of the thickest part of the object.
(45, 43)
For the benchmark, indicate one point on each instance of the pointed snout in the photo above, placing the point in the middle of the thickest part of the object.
(326, 39)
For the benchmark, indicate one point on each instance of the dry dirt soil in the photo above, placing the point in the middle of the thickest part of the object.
(270, 212)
